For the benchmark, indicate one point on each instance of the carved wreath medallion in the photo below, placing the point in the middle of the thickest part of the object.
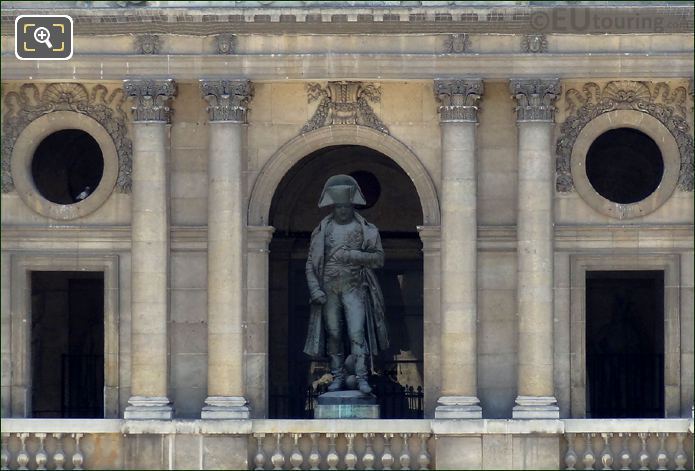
(657, 100)
(106, 108)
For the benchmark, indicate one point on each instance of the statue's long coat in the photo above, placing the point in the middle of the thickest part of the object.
(377, 338)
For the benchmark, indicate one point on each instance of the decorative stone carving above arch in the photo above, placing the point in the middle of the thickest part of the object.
(98, 102)
(658, 100)
(304, 144)
(344, 103)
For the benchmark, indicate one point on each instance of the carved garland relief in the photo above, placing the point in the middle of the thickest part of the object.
(658, 100)
(106, 108)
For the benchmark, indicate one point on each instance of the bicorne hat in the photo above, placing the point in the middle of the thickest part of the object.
(341, 189)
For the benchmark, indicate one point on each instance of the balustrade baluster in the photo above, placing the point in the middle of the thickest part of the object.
(259, 459)
(23, 455)
(625, 458)
(404, 459)
(661, 456)
(643, 454)
(680, 457)
(606, 454)
(332, 458)
(58, 454)
(314, 456)
(424, 457)
(296, 458)
(41, 457)
(278, 458)
(77, 458)
(571, 455)
(589, 457)
(350, 455)
(369, 457)
(5, 456)
(387, 458)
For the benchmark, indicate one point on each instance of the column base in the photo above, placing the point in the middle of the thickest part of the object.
(458, 407)
(536, 407)
(149, 408)
(225, 407)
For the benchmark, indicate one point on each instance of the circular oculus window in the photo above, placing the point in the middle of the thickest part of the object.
(64, 165)
(370, 186)
(625, 164)
(67, 166)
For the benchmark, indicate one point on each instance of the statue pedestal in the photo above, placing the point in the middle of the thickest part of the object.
(346, 405)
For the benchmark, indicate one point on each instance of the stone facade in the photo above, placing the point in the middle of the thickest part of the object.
(199, 122)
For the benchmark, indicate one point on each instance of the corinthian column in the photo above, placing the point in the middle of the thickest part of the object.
(535, 116)
(458, 118)
(150, 249)
(227, 105)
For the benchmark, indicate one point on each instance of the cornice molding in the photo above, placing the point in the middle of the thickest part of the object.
(346, 19)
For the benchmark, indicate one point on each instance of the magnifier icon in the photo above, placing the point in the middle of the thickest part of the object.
(43, 36)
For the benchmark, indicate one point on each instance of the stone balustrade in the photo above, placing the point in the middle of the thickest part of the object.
(628, 444)
(58, 443)
(344, 444)
(347, 444)
(342, 451)
(42, 450)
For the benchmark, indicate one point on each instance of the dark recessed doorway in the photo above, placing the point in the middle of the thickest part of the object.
(67, 344)
(625, 344)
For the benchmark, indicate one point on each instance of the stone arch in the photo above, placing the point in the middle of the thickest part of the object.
(294, 150)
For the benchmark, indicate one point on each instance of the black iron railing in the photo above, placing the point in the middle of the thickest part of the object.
(395, 401)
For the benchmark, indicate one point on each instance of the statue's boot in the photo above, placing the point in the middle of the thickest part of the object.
(362, 374)
(338, 371)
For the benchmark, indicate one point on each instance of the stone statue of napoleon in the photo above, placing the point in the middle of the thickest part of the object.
(344, 250)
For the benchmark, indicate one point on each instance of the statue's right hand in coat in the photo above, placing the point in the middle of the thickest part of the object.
(318, 297)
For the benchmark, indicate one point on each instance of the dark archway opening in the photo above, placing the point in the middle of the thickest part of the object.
(394, 207)
(67, 166)
(624, 165)
(625, 344)
(67, 344)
